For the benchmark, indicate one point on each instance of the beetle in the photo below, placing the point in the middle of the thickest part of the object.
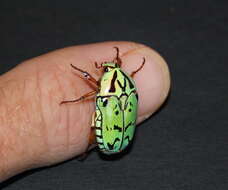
(116, 104)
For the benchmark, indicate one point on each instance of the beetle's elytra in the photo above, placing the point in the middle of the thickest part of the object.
(116, 103)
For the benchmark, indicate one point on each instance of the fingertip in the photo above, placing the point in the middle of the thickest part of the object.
(152, 81)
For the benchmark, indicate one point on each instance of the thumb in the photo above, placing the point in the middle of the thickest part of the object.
(47, 133)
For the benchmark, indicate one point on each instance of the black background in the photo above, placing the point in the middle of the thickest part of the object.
(184, 146)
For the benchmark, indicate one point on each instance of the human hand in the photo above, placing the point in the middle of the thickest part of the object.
(36, 131)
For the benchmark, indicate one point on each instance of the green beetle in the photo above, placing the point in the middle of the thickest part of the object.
(116, 100)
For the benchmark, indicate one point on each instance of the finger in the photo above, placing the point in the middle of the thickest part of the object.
(50, 133)
(70, 133)
(152, 82)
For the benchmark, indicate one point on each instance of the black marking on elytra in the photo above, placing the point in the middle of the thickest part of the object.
(131, 85)
(111, 146)
(129, 110)
(100, 143)
(112, 86)
(124, 86)
(98, 128)
(120, 85)
(105, 102)
(107, 128)
(108, 96)
(125, 106)
(123, 94)
(128, 125)
(99, 136)
(128, 138)
(131, 104)
(116, 127)
(116, 112)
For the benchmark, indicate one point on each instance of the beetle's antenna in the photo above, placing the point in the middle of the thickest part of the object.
(117, 59)
(98, 66)
(117, 52)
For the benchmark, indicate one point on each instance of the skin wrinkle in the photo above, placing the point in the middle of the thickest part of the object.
(60, 89)
(81, 109)
(69, 108)
(67, 142)
(64, 110)
(3, 111)
(83, 120)
(75, 139)
(24, 87)
(68, 128)
(67, 112)
(31, 90)
(3, 94)
(2, 156)
(14, 114)
(39, 94)
(56, 147)
(12, 111)
(19, 109)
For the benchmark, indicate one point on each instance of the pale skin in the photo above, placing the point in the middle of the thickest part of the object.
(37, 131)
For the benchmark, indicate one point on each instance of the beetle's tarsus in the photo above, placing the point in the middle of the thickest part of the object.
(91, 145)
(71, 101)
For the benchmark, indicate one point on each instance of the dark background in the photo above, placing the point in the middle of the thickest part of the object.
(184, 146)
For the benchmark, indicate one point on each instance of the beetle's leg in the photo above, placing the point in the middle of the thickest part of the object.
(117, 59)
(86, 75)
(92, 144)
(134, 72)
(92, 139)
(92, 93)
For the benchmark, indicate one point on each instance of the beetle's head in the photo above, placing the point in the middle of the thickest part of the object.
(109, 66)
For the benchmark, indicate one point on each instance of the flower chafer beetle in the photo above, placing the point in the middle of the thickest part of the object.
(116, 101)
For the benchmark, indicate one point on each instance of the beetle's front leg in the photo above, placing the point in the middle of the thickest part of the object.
(86, 75)
(92, 140)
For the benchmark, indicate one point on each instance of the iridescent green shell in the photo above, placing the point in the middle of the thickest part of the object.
(116, 111)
